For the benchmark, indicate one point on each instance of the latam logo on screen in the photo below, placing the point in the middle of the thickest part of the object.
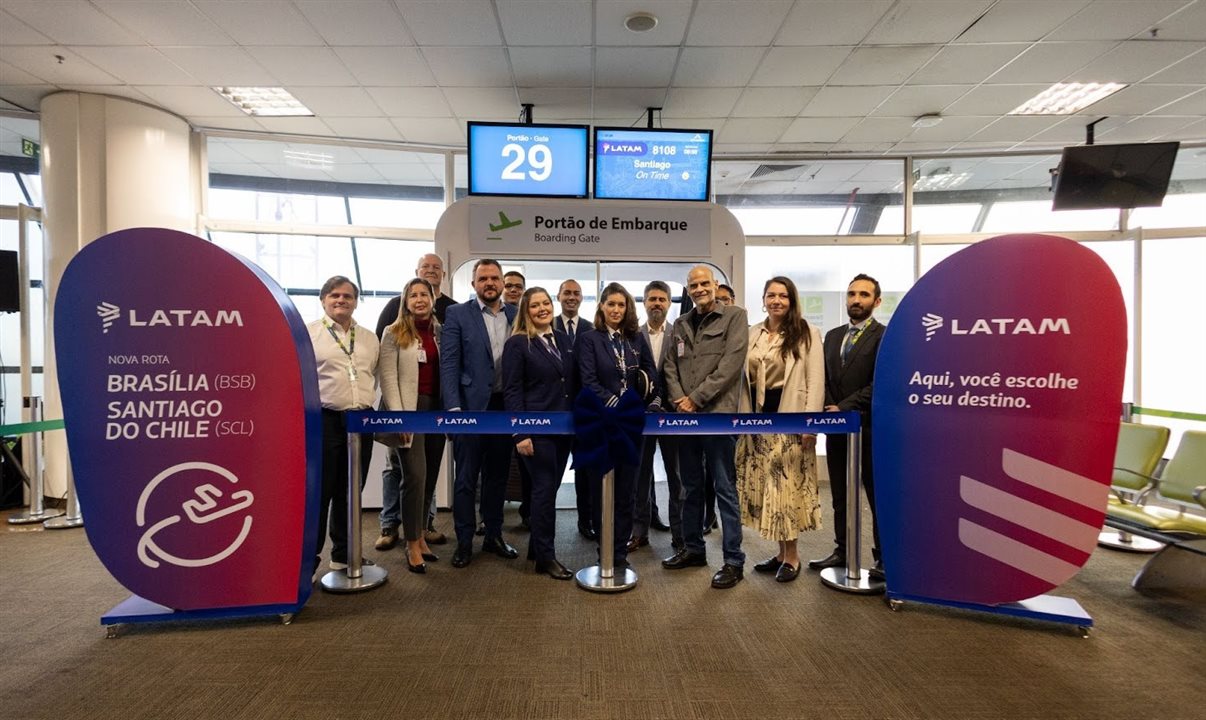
(191, 409)
(996, 412)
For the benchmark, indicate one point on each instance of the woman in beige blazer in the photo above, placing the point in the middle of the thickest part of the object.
(777, 474)
(409, 374)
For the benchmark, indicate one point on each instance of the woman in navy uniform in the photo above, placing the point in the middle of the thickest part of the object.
(536, 369)
(611, 361)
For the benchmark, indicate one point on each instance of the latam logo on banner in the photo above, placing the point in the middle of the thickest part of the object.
(191, 408)
(996, 412)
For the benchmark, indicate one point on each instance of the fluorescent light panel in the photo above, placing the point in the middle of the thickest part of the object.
(1066, 98)
(274, 101)
(306, 159)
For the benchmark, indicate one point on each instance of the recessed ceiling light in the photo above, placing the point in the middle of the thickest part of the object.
(640, 22)
(1066, 98)
(928, 120)
(275, 101)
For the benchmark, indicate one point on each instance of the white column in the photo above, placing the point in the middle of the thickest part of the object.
(107, 164)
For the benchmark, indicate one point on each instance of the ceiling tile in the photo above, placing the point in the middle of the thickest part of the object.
(498, 103)
(846, 101)
(551, 66)
(1194, 105)
(634, 67)
(362, 22)
(231, 66)
(670, 30)
(1021, 20)
(630, 102)
(753, 130)
(1069, 132)
(137, 65)
(882, 65)
(799, 66)
(1050, 62)
(295, 126)
(700, 102)
(469, 66)
(434, 131)
(831, 22)
(951, 129)
(773, 102)
(1132, 61)
(42, 61)
(15, 32)
(1115, 19)
(417, 102)
(550, 103)
(1190, 70)
(303, 65)
(225, 123)
(880, 130)
(926, 21)
(1144, 99)
(1188, 24)
(717, 67)
(914, 100)
(1145, 129)
(264, 22)
(11, 75)
(1016, 128)
(545, 22)
(190, 101)
(965, 64)
(813, 129)
(337, 101)
(1193, 131)
(26, 97)
(994, 100)
(727, 23)
(696, 123)
(165, 22)
(381, 66)
(431, 22)
(71, 22)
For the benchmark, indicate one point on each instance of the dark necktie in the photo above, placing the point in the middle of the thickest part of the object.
(846, 346)
(548, 337)
(569, 330)
(617, 344)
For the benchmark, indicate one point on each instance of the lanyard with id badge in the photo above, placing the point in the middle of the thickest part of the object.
(348, 350)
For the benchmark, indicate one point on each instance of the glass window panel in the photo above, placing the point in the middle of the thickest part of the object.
(937, 219)
(294, 261)
(387, 212)
(1187, 210)
(790, 221)
(10, 191)
(33, 183)
(1037, 216)
(1119, 255)
(386, 265)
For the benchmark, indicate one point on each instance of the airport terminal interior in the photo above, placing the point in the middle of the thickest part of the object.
(332, 137)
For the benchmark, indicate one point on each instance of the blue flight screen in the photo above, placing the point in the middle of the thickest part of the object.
(539, 160)
(652, 164)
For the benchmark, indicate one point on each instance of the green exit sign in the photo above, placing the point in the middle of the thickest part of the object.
(29, 148)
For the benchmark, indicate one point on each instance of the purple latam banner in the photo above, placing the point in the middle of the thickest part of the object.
(191, 408)
(995, 420)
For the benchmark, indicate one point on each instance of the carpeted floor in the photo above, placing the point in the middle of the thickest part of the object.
(497, 641)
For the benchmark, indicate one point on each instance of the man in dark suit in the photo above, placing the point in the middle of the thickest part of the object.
(656, 331)
(471, 348)
(569, 296)
(850, 352)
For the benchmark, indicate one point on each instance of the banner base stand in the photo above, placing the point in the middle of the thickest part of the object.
(1044, 608)
(591, 578)
(135, 609)
(839, 578)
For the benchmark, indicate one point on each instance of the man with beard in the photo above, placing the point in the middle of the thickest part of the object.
(850, 352)
(569, 296)
(656, 330)
(471, 347)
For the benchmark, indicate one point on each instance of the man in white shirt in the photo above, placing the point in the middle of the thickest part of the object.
(346, 359)
(569, 296)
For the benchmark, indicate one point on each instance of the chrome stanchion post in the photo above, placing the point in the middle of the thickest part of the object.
(31, 459)
(853, 578)
(73, 518)
(357, 577)
(603, 577)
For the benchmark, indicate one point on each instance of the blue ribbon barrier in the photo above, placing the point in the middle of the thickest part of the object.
(562, 423)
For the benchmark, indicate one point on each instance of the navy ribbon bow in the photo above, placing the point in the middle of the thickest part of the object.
(607, 436)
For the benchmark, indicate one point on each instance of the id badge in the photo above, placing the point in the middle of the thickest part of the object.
(422, 355)
(681, 348)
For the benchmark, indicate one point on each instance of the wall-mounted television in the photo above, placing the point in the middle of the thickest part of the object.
(1114, 176)
(528, 160)
(653, 164)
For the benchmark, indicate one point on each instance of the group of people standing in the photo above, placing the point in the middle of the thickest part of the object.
(507, 348)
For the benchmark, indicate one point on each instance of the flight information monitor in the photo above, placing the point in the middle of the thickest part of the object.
(653, 164)
(528, 160)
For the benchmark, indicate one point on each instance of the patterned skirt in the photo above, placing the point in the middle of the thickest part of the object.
(777, 486)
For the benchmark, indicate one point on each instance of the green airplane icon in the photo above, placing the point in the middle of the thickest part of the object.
(504, 222)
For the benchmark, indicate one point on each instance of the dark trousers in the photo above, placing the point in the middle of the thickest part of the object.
(716, 453)
(586, 514)
(835, 460)
(333, 503)
(415, 477)
(486, 457)
(545, 469)
(433, 448)
(624, 490)
(525, 487)
(646, 504)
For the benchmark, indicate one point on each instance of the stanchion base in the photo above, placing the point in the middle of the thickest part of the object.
(64, 522)
(29, 518)
(591, 578)
(1130, 543)
(371, 576)
(838, 579)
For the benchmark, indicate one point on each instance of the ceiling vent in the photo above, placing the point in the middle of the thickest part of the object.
(781, 172)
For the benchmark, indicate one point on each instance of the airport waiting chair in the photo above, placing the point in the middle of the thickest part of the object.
(1140, 449)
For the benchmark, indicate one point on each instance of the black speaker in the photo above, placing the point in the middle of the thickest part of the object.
(10, 286)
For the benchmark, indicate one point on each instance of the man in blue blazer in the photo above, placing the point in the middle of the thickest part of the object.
(471, 348)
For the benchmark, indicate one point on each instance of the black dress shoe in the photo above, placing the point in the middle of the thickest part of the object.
(481, 530)
(586, 532)
(499, 547)
(684, 559)
(657, 524)
(769, 565)
(877, 571)
(420, 568)
(554, 569)
(430, 557)
(836, 559)
(787, 572)
(727, 576)
(638, 542)
(462, 556)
